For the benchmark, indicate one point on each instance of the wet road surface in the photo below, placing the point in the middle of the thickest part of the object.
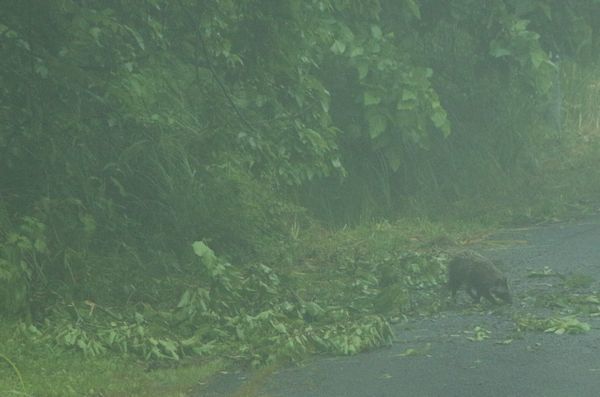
(447, 362)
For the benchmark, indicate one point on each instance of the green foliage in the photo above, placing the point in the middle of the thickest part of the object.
(23, 252)
(94, 336)
(569, 298)
(52, 372)
(405, 279)
(395, 101)
(572, 294)
(354, 337)
(569, 302)
(556, 325)
(15, 369)
(483, 69)
(256, 315)
(265, 319)
(479, 334)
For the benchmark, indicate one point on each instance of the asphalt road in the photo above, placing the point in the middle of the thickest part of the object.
(446, 362)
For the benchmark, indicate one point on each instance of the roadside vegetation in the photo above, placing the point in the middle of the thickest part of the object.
(189, 185)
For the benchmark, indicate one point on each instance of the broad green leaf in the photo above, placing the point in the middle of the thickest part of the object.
(40, 246)
(414, 8)
(201, 249)
(313, 309)
(520, 25)
(439, 118)
(377, 124)
(356, 51)
(95, 32)
(42, 70)
(325, 104)
(280, 327)
(405, 105)
(538, 57)
(11, 34)
(89, 223)
(314, 138)
(338, 47)
(346, 33)
(138, 38)
(394, 159)
(546, 9)
(185, 299)
(408, 95)
(376, 32)
(363, 70)
(136, 87)
(497, 50)
(119, 186)
(370, 98)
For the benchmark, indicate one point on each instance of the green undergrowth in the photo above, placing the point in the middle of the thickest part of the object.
(328, 292)
(33, 369)
(558, 303)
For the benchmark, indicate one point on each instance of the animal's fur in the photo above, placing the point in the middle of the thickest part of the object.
(479, 276)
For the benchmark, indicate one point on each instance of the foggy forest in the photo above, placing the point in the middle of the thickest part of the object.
(197, 198)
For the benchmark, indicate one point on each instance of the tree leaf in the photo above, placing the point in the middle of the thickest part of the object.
(363, 70)
(356, 51)
(201, 249)
(414, 8)
(370, 98)
(338, 47)
(95, 32)
(538, 57)
(408, 95)
(138, 38)
(394, 159)
(440, 120)
(376, 32)
(377, 124)
(498, 51)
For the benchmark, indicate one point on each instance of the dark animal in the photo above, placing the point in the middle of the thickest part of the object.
(479, 276)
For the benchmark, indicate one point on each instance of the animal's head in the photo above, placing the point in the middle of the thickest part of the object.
(500, 290)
